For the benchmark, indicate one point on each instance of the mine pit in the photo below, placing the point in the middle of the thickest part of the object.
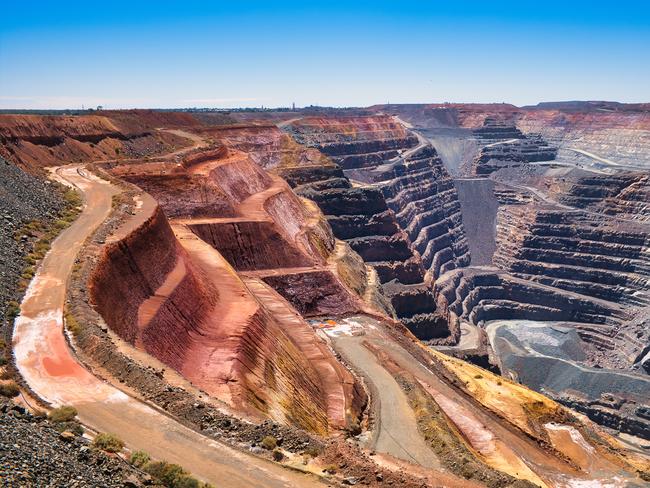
(362, 276)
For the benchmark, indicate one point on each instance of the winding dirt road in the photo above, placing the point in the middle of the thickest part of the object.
(54, 374)
(396, 431)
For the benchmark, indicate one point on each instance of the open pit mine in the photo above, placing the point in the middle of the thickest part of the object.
(449, 295)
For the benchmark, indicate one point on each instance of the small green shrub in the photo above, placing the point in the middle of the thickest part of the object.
(71, 324)
(185, 481)
(139, 458)
(60, 224)
(312, 451)
(13, 310)
(108, 442)
(9, 390)
(73, 426)
(330, 468)
(269, 443)
(277, 455)
(72, 198)
(28, 273)
(167, 473)
(41, 248)
(65, 413)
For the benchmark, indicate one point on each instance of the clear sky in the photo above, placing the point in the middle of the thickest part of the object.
(62, 54)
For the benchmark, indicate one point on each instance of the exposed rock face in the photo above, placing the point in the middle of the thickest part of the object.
(513, 153)
(182, 305)
(569, 240)
(209, 312)
(34, 141)
(616, 132)
(35, 454)
(621, 134)
(624, 195)
(392, 201)
(479, 206)
(216, 278)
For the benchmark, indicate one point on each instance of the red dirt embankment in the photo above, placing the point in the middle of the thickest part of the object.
(230, 213)
(33, 142)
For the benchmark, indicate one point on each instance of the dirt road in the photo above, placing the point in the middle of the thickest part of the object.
(53, 373)
(498, 143)
(593, 156)
(396, 431)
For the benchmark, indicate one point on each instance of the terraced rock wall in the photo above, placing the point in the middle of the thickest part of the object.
(393, 203)
(599, 260)
(161, 299)
(189, 308)
(624, 195)
(620, 135)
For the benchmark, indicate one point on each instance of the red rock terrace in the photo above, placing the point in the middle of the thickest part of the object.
(267, 246)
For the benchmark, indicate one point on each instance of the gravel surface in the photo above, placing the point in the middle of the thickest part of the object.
(23, 198)
(33, 454)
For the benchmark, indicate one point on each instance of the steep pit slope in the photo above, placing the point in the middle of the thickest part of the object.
(475, 425)
(181, 302)
(569, 239)
(390, 198)
(591, 134)
(307, 285)
(268, 236)
(36, 141)
(582, 268)
(265, 144)
(625, 195)
(479, 207)
(610, 136)
(504, 146)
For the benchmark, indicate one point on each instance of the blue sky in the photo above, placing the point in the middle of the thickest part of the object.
(226, 54)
